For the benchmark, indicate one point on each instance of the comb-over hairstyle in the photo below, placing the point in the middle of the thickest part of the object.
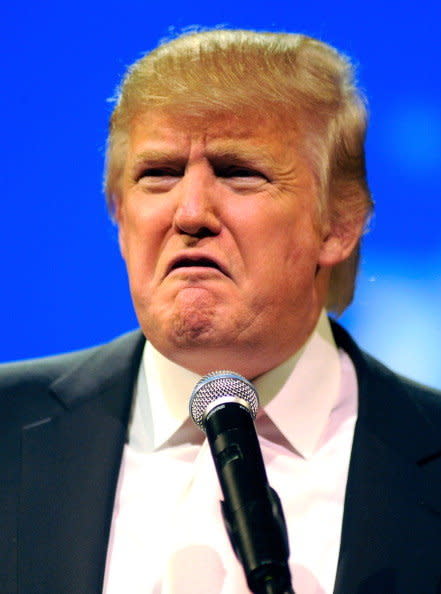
(292, 78)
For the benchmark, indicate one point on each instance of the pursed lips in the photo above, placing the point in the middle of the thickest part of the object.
(195, 261)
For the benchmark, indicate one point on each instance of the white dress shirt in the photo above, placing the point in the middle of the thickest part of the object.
(167, 534)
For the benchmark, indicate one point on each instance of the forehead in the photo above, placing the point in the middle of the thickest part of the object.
(251, 134)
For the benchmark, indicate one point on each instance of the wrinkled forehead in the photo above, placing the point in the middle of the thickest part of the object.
(224, 129)
(231, 122)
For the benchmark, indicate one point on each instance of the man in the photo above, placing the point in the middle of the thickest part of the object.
(236, 177)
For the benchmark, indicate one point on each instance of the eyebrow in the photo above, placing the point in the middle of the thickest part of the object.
(241, 154)
(216, 156)
(157, 156)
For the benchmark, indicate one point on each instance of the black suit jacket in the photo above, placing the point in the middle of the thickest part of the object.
(62, 430)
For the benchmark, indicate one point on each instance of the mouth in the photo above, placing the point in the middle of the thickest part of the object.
(195, 262)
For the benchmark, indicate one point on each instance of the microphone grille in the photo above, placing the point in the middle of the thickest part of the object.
(217, 385)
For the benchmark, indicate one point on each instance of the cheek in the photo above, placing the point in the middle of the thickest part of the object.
(282, 247)
(143, 226)
(292, 267)
(303, 258)
(140, 247)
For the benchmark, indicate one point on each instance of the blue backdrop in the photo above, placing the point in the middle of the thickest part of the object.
(64, 284)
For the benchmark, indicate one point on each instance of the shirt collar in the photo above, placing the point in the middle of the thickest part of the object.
(297, 396)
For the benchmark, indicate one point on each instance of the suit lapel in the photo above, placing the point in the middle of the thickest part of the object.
(70, 468)
(71, 461)
(392, 518)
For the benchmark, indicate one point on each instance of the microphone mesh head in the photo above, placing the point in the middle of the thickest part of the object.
(218, 385)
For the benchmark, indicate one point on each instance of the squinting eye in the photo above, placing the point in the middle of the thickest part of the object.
(241, 175)
(242, 179)
(240, 172)
(157, 179)
(159, 172)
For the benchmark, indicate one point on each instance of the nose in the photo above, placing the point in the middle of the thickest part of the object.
(196, 214)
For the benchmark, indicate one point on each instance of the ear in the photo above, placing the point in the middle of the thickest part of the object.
(120, 221)
(340, 241)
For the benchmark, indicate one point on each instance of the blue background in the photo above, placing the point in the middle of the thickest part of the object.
(64, 284)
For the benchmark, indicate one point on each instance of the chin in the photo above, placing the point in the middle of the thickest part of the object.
(192, 331)
(182, 328)
(200, 317)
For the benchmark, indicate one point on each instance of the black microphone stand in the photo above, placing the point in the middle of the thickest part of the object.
(251, 509)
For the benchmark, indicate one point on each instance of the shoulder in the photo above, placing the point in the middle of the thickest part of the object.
(379, 383)
(25, 386)
(424, 397)
(41, 371)
(49, 368)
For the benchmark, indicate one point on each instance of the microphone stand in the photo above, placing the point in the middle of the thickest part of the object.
(251, 510)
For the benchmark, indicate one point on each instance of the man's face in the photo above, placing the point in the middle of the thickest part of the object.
(219, 230)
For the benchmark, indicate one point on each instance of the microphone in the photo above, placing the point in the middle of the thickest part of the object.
(224, 405)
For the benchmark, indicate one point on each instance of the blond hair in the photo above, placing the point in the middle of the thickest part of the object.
(304, 82)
